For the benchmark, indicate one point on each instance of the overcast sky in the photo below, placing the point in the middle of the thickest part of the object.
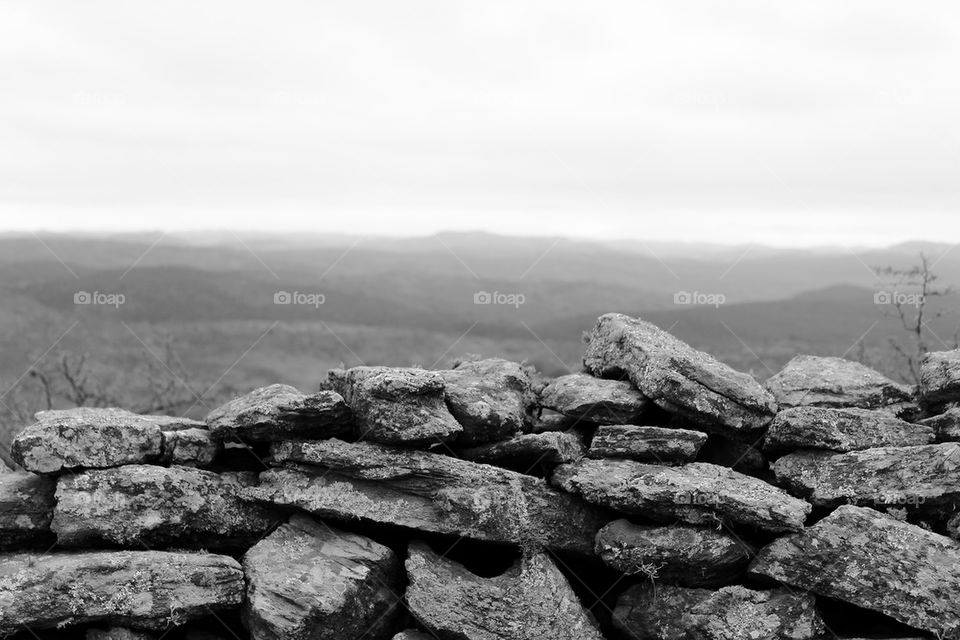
(781, 122)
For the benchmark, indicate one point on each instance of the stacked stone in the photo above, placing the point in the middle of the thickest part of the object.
(657, 494)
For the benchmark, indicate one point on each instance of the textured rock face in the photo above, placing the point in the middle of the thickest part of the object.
(144, 504)
(309, 581)
(676, 376)
(841, 430)
(646, 444)
(411, 634)
(26, 507)
(698, 493)
(397, 405)
(428, 492)
(681, 555)
(946, 425)
(190, 447)
(117, 633)
(656, 612)
(871, 560)
(144, 589)
(738, 613)
(489, 398)
(281, 411)
(921, 477)
(940, 377)
(583, 396)
(816, 381)
(531, 601)
(530, 449)
(86, 438)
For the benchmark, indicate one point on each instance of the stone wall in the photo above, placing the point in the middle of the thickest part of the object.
(657, 494)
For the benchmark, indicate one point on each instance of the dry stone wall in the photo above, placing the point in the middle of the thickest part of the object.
(656, 495)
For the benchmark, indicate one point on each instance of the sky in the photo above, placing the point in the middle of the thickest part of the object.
(782, 122)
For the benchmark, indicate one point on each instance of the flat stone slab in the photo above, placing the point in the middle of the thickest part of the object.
(676, 376)
(427, 492)
(646, 444)
(142, 589)
(490, 398)
(649, 611)
(738, 613)
(26, 508)
(278, 412)
(582, 396)
(946, 425)
(195, 447)
(819, 381)
(841, 430)
(395, 405)
(154, 506)
(874, 561)
(919, 478)
(697, 493)
(530, 601)
(677, 554)
(940, 377)
(530, 449)
(308, 580)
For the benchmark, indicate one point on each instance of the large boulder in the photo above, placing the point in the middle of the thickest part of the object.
(148, 505)
(141, 589)
(529, 450)
(697, 493)
(426, 492)
(863, 557)
(940, 377)
(818, 381)
(280, 411)
(676, 376)
(841, 430)
(923, 477)
(646, 444)
(585, 397)
(397, 405)
(309, 581)
(676, 554)
(650, 611)
(87, 438)
(532, 600)
(738, 613)
(26, 508)
(489, 398)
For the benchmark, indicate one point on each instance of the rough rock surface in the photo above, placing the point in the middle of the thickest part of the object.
(280, 411)
(530, 601)
(397, 405)
(841, 430)
(489, 398)
(26, 507)
(682, 555)
(646, 444)
(946, 425)
(143, 589)
(86, 438)
(676, 376)
(656, 612)
(530, 449)
(874, 561)
(412, 634)
(190, 447)
(148, 505)
(580, 395)
(924, 477)
(428, 492)
(818, 381)
(697, 493)
(738, 613)
(309, 581)
(940, 377)
(117, 633)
